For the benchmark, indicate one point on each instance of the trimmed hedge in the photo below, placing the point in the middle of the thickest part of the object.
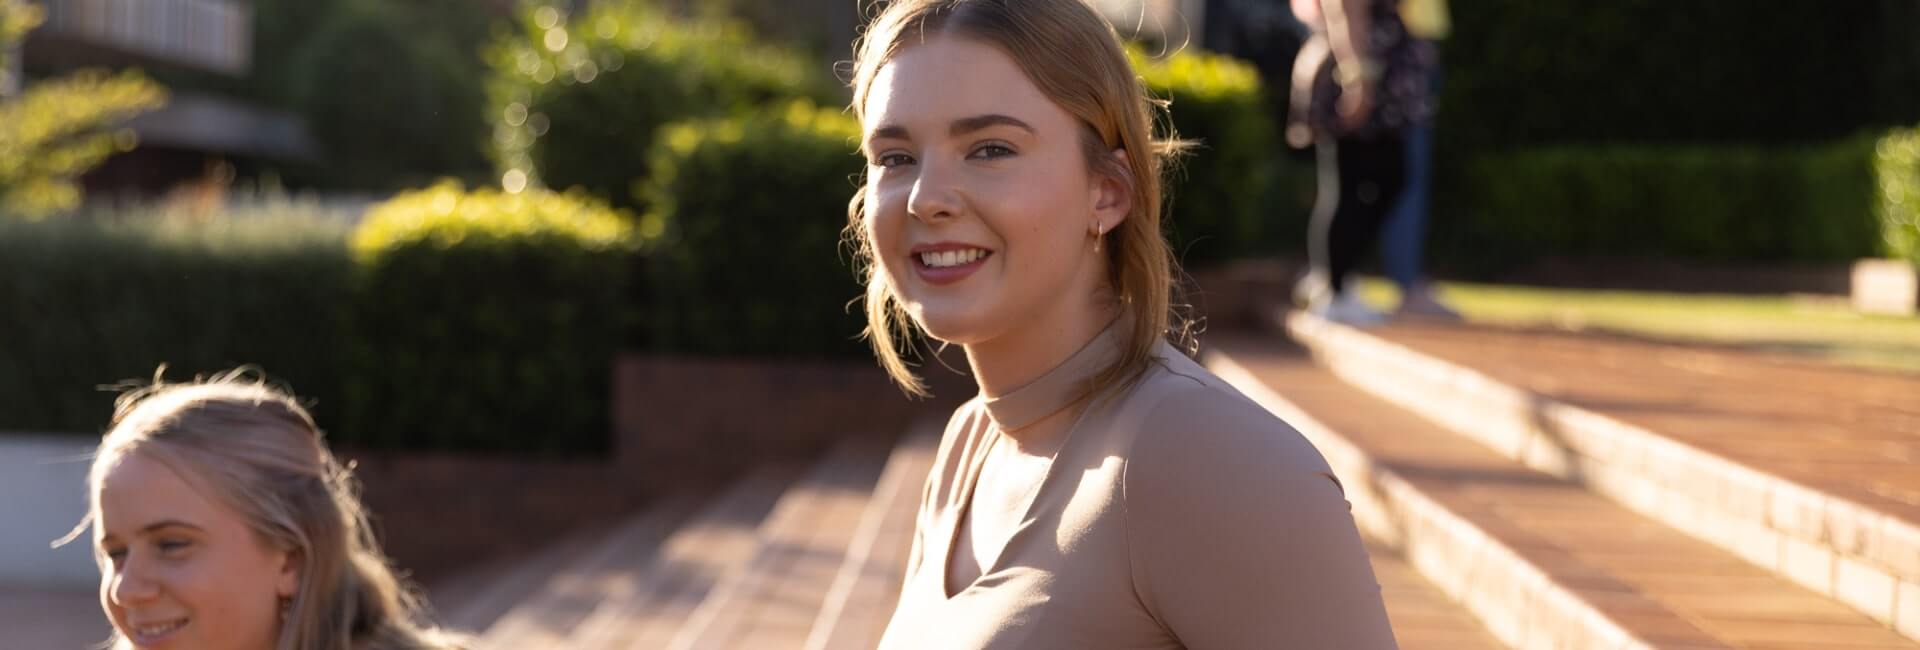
(1233, 195)
(1523, 73)
(391, 92)
(1897, 181)
(486, 321)
(87, 302)
(576, 103)
(1713, 204)
(751, 210)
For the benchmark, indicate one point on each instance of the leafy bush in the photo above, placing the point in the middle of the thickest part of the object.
(1522, 73)
(59, 128)
(485, 321)
(1711, 204)
(1223, 198)
(576, 103)
(391, 102)
(751, 210)
(1897, 176)
(86, 302)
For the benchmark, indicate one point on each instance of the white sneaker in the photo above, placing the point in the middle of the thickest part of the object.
(1422, 304)
(1347, 309)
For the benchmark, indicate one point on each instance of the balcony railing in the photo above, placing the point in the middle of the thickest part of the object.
(212, 34)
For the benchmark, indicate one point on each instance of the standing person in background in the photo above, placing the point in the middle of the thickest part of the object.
(1358, 83)
(1403, 239)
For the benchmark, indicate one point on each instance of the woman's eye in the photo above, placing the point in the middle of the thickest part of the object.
(992, 151)
(171, 546)
(890, 160)
(115, 556)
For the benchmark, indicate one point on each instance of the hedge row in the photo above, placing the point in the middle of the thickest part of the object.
(576, 100)
(447, 319)
(1234, 196)
(90, 302)
(751, 210)
(1523, 73)
(1897, 184)
(485, 321)
(1827, 203)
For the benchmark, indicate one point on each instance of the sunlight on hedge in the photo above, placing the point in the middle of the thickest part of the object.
(1897, 167)
(447, 215)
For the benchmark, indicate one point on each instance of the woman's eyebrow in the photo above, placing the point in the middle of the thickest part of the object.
(153, 527)
(960, 126)
(168, 523)
(967, 125)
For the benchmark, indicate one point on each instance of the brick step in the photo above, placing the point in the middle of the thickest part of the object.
(1811, 473)
(866, 586)
(775, 597)
(702, 553)
(606, 570)
(474, 600)
(1538, 559)
(1422, 615)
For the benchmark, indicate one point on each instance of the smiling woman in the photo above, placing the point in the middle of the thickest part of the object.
(1103, 490)
(221, 522)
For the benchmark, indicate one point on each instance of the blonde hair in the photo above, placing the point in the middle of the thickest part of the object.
(258, 451)
(1076, 60)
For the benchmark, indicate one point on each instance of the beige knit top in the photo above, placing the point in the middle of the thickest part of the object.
(1176, 514)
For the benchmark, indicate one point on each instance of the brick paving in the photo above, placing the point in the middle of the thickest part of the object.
(1662, 586)
(1853, 432)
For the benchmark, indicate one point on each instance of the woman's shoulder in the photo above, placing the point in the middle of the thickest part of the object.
(1191, 420)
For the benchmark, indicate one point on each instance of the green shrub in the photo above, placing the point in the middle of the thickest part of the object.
(1897, 176)
(1707, 204)
(1523, 73)
(576, 103)
(87, 302)
(486, 321)
(752, 208)
(391, 101)
(1225, 198)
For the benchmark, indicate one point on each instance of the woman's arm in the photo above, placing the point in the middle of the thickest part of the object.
(1243, 539)
(1348, 25)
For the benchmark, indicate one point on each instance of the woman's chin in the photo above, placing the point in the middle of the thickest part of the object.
(950, 326)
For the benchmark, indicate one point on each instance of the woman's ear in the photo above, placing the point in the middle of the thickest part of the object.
(289, 583)
(1114, 187)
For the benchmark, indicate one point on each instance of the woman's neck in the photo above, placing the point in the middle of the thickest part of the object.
(1023, 354)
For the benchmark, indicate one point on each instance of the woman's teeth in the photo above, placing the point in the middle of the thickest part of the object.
(159, 629)
(938, 259)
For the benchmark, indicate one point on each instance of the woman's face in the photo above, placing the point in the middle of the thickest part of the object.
(179, 570)
(980, 205)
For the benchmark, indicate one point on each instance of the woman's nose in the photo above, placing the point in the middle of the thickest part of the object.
(133, 584)
(935, 195)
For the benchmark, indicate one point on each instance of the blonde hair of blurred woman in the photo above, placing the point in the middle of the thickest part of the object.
(255, 450)
(1078, 64)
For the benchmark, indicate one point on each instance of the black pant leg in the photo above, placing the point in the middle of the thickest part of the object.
(1370, 175)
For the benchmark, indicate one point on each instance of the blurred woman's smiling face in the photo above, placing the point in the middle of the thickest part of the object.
(178, 570)
(980, 205)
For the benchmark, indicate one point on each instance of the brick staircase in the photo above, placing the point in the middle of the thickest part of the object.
(1580, 491)
(1516, 489)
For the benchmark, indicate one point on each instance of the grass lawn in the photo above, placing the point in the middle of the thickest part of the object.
(1819, 328)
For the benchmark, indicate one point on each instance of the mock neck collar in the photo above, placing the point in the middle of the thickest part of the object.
(1059, 387)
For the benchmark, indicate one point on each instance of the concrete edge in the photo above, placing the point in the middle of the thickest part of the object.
(1831, 545)
(1516, 602)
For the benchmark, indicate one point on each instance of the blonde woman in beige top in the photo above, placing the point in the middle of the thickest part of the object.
(1103, 491)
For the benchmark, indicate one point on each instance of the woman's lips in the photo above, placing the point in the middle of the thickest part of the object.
(147, 635)
(947, 264)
